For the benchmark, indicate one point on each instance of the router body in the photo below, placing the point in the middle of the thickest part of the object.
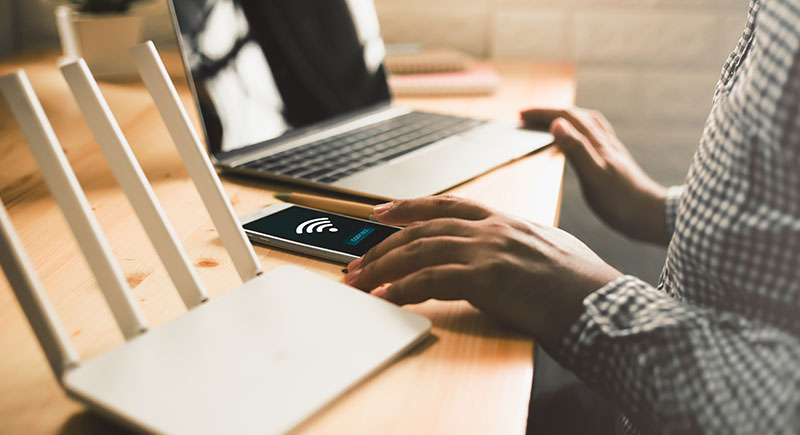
(260, 359)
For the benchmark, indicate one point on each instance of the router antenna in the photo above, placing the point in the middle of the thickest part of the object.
(65, 188)
(194, 157)
(133, 181)
(37, 308)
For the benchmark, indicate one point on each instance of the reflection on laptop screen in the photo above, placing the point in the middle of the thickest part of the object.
(262, 68)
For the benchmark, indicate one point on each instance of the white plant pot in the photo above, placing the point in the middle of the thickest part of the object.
(101, 39)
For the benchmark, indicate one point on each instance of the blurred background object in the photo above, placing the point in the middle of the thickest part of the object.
(479, 79)
(412, 58)
(30, 25)
(100, 32)
(417, 71)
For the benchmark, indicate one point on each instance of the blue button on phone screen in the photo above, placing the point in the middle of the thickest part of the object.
(359, 236)
(325, 230)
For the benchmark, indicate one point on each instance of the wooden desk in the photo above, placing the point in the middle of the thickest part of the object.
(473, 376)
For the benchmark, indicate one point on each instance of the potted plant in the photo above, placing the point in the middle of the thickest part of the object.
(100, 31)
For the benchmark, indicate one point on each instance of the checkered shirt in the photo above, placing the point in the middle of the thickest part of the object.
(715, 348)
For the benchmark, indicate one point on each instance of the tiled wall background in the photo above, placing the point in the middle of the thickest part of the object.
(649, 65)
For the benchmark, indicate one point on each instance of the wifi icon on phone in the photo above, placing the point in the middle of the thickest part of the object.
(316, 225)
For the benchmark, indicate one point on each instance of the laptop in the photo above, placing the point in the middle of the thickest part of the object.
(296, 91)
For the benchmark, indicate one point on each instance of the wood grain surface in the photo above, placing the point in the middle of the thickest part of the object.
(472, 376)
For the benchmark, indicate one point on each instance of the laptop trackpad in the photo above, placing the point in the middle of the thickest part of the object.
(445, 164)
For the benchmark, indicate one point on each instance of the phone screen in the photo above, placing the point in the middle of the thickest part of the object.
(321, 229)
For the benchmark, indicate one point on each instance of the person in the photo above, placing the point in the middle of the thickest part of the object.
(716, 346)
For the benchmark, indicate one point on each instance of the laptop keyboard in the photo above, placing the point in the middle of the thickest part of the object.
(336, 157)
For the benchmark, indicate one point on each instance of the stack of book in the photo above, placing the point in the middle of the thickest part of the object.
(441, 72)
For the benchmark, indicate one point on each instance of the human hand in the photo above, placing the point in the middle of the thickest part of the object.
(612, 182)
(531, 276)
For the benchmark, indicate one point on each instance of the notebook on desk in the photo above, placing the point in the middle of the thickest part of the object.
(296, 91)
(477, 80)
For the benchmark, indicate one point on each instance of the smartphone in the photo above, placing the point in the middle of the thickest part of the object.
(313, 232)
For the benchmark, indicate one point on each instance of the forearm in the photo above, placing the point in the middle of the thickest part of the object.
(652, 215)
(644, 213)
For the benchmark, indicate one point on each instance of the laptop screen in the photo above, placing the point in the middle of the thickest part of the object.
(261, 69)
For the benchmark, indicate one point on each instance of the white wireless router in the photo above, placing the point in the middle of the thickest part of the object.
(260, 359)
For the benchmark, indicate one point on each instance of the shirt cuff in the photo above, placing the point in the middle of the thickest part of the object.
(612, 304)
(672, 201)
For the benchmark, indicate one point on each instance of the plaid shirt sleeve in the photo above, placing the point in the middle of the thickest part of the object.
(715, 348)
(677, 368)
